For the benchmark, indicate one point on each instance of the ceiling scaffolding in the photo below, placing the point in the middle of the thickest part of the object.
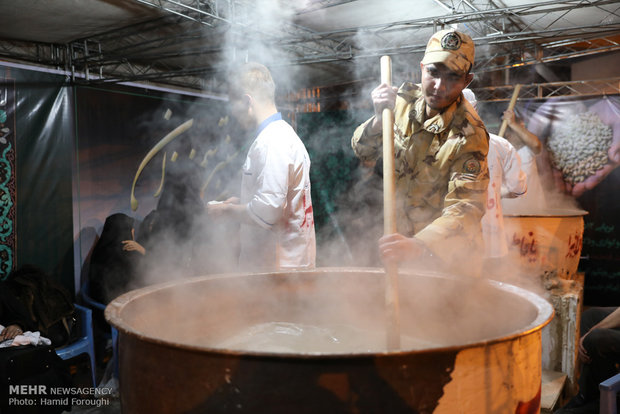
(182, 45)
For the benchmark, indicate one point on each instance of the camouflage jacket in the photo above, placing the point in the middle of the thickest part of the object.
(441, 171)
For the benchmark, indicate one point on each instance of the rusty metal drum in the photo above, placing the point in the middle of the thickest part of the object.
(467, 345)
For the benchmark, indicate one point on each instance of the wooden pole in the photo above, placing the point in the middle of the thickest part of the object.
(511, 105)
(389, 213)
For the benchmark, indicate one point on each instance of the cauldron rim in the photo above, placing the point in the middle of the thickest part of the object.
(550, 213)
(115, 307)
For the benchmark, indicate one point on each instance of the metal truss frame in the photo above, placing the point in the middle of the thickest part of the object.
(141, 53)
(312, 100)
(549, 90)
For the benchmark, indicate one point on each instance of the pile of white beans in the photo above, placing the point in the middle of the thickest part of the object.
(578, 146)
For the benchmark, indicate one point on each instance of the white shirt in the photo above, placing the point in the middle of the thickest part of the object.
(504, 170)
(276, 188)
(534, 200)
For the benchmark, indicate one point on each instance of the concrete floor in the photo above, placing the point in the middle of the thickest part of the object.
(109, 402)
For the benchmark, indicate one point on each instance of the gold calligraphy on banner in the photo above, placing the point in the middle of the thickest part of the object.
(171, 136)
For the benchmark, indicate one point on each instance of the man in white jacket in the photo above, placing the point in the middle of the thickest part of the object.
(275, 206)
(507, 180)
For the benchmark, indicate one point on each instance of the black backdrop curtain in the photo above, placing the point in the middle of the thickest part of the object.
(44, 147)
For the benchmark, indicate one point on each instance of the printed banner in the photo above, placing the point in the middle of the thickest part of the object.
(8, 190)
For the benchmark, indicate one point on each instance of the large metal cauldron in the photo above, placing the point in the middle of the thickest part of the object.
(476, 348)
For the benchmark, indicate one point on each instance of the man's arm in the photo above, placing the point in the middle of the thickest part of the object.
(608, 113)
(366, 141)
(396, 248)
(611, 321)
(463, 207)
(232, 209)
(526, 136)
(514, 183)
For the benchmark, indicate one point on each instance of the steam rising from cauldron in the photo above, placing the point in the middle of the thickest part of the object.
(356, 208)
(205, 246)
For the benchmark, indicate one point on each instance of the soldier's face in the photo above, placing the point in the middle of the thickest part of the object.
(441, 86)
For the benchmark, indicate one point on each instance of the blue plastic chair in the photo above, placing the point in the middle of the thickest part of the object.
(85, 344)
(93, 304)
(609, 389)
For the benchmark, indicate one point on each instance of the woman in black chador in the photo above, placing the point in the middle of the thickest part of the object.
(112, 268)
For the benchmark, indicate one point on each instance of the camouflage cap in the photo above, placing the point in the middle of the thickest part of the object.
(453, 49)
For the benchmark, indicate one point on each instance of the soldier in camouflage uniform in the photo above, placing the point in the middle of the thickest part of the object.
(440, 148)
